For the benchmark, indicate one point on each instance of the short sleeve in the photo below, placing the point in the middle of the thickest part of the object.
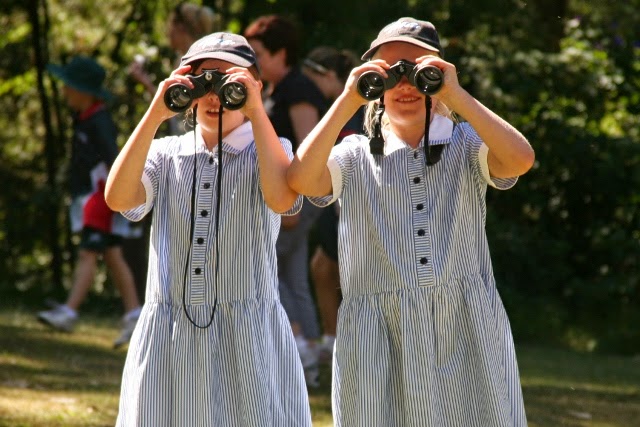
(478, 154)
(286, 145)
(150, 179)
(341, 164)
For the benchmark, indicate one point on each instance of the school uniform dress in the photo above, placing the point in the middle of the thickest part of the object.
(244, 369)
(423, 338)
(292, 246)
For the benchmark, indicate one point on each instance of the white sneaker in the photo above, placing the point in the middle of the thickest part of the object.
(309, 359)
(128, 325)
(60, 317)
(325, 348)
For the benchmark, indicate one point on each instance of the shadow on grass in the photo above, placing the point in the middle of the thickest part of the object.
(41, 358)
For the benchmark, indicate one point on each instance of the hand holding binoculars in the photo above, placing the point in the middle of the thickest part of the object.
(233, 95)
(427, 79)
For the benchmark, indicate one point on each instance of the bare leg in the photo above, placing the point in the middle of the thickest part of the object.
(122, 277)
(326, 280)
(83, 277)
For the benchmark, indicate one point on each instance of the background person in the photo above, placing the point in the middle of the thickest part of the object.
(294, 104)
(93, 150)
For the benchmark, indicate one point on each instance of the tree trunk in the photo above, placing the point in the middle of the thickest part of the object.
(39, 35)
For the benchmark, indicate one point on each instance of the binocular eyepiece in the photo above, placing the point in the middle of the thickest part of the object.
(427, 79)
(233, 95)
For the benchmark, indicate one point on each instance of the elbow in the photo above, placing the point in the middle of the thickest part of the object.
(295, 180)
(283, 204)
(116, 203)
(113, 203)
(528, 160)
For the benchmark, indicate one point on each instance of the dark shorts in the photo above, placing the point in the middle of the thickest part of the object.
(327, 232)
(96, 240)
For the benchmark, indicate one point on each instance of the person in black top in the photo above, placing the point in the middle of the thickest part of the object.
(294, 105)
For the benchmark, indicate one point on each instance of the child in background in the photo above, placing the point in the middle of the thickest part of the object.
(213, 345)
(423, 338)
(93, 150)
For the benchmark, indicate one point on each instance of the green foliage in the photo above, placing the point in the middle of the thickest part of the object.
(565, 241)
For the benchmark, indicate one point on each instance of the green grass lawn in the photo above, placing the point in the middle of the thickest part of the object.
(57, 379)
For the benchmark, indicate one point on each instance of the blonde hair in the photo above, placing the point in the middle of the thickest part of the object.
(197, 20)
(370, 114)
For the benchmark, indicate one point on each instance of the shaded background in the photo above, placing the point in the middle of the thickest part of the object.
(565, 241)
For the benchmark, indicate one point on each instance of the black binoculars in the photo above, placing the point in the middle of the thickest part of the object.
(427, 79)
(233, 95)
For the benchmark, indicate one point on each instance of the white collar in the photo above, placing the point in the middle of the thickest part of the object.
(239, 139)
(440, 132)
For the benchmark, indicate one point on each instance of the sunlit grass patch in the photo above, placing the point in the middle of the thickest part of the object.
(55, 379)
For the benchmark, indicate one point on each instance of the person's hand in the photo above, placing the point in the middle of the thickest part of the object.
(450, 86)
(253, 101)
(379, 66)
(158, 108)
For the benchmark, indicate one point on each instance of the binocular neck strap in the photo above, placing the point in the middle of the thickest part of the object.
(192, 228)
(427, 122)
(431, 154)
(376, 144)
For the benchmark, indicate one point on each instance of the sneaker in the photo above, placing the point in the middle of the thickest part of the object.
(325, 348)
(128, 325)
(312, 376)
(60, 318)
(309, 359)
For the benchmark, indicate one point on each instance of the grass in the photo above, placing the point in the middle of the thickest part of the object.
(55, 379)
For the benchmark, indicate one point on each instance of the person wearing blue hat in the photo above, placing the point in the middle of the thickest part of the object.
(214, 346)
(94, 149)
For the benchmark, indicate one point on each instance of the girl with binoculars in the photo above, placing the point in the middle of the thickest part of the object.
(423, 338)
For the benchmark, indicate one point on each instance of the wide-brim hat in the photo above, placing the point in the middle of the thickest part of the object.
(228, 47)
(83, 74)
(408, 30)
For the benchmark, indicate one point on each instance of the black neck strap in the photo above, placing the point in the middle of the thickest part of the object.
(432, 154)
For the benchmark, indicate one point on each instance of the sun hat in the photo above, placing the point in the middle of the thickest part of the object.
(84, 74)
(228, 47)
(409, 30)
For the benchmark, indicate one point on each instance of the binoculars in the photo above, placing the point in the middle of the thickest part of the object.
(427, 79)
(233, 95)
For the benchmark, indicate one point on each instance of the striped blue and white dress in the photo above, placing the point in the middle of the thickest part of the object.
(423, 339)
(243, 370)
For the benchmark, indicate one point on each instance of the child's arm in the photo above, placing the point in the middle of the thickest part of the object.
(124, 189)
(510, 154)
(308, 173)
(272, 159)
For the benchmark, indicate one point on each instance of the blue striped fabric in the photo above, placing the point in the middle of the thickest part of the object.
(423, 338)
(244, 370)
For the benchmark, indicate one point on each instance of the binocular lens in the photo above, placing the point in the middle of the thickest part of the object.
(233, 95)
(178, 98)
(428, 79)
(371, 85)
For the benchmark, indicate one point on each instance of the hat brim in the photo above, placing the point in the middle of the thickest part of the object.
(58, 71)
(369, 53)
(223, 56)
